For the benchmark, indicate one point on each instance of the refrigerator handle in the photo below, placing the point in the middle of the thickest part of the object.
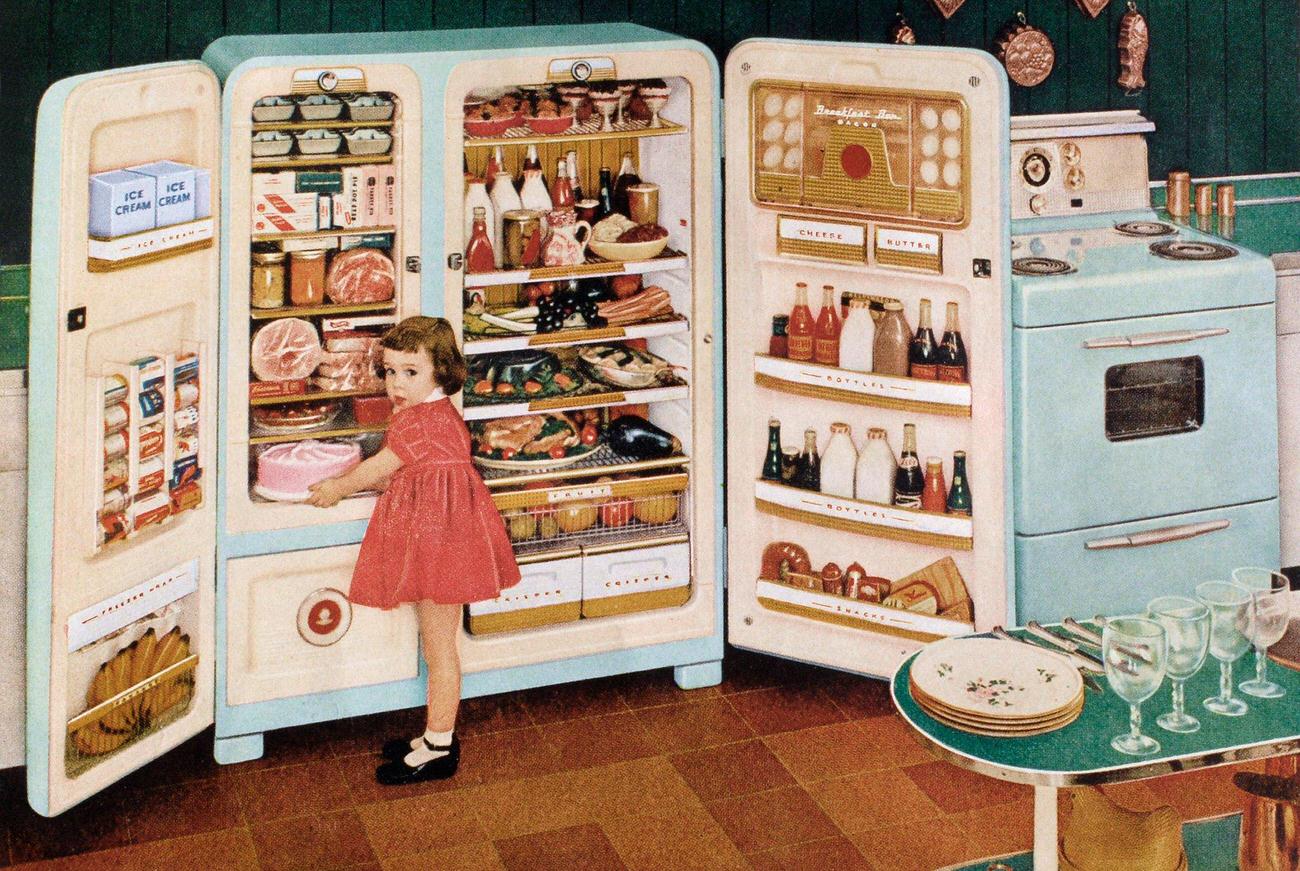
(1158, 536)
(1169, 337)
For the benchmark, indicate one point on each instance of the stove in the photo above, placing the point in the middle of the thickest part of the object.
(1143, 372)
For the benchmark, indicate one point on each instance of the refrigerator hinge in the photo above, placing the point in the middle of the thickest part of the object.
(455, 261)
(413, 264)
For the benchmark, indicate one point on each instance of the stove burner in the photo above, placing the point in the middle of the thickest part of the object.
(1040, 266)
(1144, 228)
(1186, 249)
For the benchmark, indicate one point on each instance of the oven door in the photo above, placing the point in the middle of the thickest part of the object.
(1144, 417)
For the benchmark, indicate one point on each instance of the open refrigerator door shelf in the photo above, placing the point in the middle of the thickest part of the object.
(879, 182)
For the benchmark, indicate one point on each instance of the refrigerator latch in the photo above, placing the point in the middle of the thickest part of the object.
(455, 261)
(413, 264)
(981, 268)
(76, 319)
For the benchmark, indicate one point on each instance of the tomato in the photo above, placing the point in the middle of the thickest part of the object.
(564, 382)
(624, 286)
(505, 388)
(616, 512)
(507, 453)
(482, 388)
(532, 293)
(558, 452)
(531, 386)
(589, 435)
(546, 288)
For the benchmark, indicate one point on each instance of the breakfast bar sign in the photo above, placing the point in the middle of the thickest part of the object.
(831, 240)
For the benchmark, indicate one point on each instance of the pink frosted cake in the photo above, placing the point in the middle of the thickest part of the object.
(285, 472)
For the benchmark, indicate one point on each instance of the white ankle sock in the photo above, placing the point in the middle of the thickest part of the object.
(420, 752)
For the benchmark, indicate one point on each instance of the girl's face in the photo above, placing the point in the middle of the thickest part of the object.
(408, 377)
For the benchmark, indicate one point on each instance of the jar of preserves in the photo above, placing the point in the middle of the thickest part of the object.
(268, 280)
(307, 277)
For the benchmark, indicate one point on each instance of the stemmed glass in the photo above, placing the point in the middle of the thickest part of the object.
(605, 104)
(1230, 606)
(574, 95)
(1272, 598)
(1133, 649)
(625, 91)
(1187, 630)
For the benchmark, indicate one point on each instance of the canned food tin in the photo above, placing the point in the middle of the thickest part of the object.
(152, 440)
(116, 416)
(115, 501)
(184, 471)
(186, 497)
(187, 445)
(112, 527)
(115, 473)
(115, 389)
(186, 417)
(115, 445)
(152, 475)
(187, 367)
(187, 394)
(154, 509)
(152, 403)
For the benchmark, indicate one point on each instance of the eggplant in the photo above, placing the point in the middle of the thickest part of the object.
(638, 438)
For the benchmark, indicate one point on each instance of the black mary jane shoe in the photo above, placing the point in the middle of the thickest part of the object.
(396, 772)
(397, 749)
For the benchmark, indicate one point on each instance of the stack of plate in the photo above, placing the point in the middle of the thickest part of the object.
(998, 688)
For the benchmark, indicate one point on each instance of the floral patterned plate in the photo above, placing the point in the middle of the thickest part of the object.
(994, 725)
(992, 678)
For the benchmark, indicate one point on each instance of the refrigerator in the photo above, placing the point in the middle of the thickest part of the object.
(213, 341)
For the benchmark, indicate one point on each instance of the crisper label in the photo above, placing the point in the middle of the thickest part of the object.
(601, 491)
(104, 618)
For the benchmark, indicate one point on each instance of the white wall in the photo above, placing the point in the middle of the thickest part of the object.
(13, 576)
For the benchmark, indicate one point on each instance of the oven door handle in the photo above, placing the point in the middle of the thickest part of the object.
(1159, 536)
(1169, 337)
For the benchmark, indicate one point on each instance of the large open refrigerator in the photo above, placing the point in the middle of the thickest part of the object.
(200, 364)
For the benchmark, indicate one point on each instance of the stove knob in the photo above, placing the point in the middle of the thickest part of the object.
(1038, 204)
(1074, 178)
(1070, 154)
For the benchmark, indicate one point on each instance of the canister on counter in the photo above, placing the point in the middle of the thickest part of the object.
(268, 280)
(152, 440)
(307, 277)
(116, 416)
(1204, 200)
(1227, 196)
(151, 475)
(115, 445)
(1178, 194)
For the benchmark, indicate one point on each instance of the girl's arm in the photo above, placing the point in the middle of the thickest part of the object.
(363, 477)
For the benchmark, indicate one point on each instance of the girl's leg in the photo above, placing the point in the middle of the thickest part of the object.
(439, 630)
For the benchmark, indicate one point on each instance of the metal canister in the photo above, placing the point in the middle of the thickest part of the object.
(1204, 199)
(1178, 194)
(267, 289)
(521, 238)
(1227, 196)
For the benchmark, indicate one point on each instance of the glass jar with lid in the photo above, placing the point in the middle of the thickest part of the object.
(267, 289)
(307, 277)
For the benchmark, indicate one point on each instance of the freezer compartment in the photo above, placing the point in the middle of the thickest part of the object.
(1119, 409)
(290, 630)
(1117, 569)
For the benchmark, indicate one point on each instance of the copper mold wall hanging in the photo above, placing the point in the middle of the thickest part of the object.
(1026, 52)
(901, 32)
(1134, 42)
(1092, 7)
(947, 7)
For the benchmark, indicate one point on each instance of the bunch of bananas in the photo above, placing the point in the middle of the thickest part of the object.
(143, 658)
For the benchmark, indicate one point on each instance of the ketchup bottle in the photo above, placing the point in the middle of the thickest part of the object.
(478, 254)
(826, 336)
(562, 190)
(799, 335)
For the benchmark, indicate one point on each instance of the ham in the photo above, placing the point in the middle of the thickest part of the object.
(284, 350)
(360, 275)
(511, 432)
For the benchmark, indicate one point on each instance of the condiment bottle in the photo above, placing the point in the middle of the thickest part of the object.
(799, 335)
(626, 178)
(504, 199)
(476, 196)
(826, 335)
(952, 350)
(832, 579)
(772, 461)
(909, 482)
(873, 479)
(777, 346)
(307, 277)
(531, 161)
(807, 473)
(606, 193)
(268, 280)
(839, 462)
(934, 496)
(562, 190)
(923, 354)
(893, 337)
(571, 158)
(495, 164)
(959, 493)
(534, 195)
(479, 256)
(856, 336)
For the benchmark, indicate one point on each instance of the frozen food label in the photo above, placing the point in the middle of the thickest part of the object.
(104, 618)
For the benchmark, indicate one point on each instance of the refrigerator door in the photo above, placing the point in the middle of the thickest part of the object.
(121, 539)
(877, 173)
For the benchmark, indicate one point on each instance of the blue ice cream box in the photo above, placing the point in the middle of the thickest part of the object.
(175, 199)
(121, 202)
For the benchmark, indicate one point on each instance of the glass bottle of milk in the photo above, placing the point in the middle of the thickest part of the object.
(857, 336)
(839, 461)
(874, 477)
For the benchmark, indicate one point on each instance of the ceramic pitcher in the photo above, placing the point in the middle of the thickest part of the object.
(562, 247)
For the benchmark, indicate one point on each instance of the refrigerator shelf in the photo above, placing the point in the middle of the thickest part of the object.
(804, 378)
(556, 497)
(587, 132)
(312, 395)
(336, 159)
(601, 539)
(302, 311)
(478, 344)
(134, 249)
(595, 267)
(333, 432)
(337, 124)
(322, 234)
(599, 399)
(601, 461)
(952, 531)
(856, 614)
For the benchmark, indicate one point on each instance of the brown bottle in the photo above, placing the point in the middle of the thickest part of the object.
(952, 350)
(934, 496)
(889, 349)
(923, 353)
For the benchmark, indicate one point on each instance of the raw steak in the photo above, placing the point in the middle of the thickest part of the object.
(285, 350)
(360, 275)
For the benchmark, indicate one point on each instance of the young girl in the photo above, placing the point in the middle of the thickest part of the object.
(435, 538)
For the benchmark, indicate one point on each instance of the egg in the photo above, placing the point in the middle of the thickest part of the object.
(773, 129)
(951, 119)
(929, 118)
(793, 132)
(951, 146)
(772, 105)
(952, 173)
(772, 156)
(793, 160)
(794, 106)
(929, 145)
(929, 171)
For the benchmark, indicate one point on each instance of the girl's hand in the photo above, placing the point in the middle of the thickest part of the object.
(325, 494)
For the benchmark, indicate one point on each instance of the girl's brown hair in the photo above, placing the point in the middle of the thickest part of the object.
(436, 336)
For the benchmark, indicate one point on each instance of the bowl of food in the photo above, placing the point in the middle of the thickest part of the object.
(550, 117)
(621, 366)
(271, 143)
(493, 117)
(617, 238)
(367, 140)
(272, 109)
(320, 107)
(370, 107)
(318, 141)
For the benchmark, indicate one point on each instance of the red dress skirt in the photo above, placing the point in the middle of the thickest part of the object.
(435, 534)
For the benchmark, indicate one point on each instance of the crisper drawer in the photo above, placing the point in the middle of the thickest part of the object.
(1118, 569)
(548, 592)
(636, 580)
(290, 630)
(1144, 417)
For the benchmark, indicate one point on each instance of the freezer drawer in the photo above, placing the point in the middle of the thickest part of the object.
(1118, 569)
(636, 580)
(1143, 417)
(548, 592)
(291, 630)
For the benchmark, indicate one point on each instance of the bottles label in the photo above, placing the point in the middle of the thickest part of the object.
(924, 371)
(826, 352)
(800, 347)
(955, 374)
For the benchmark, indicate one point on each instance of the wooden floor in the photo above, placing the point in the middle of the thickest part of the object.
(783, 766)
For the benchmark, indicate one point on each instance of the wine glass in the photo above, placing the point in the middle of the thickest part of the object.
(1133, 650)
(1187, 633)
(655, 95)
(625, 92)
(605, 104)
(1230, 606)
(1272, 598)
(574, 95)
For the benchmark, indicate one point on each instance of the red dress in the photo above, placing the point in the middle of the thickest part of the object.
(434, 533)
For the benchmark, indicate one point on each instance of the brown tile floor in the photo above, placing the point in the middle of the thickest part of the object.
(781, 767)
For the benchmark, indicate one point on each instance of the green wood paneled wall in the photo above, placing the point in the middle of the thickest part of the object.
(1222, 74)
